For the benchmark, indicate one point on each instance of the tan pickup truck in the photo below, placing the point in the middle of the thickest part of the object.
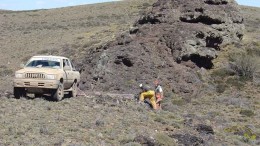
(46, 75)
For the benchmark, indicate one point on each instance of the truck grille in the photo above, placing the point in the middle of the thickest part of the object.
(34, 84)
(35, 75)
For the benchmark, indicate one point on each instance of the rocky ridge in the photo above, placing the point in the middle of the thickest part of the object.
(172, 42)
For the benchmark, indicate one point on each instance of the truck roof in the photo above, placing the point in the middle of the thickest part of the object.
(49, 56)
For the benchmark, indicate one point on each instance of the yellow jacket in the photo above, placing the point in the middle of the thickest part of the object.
(149, 94)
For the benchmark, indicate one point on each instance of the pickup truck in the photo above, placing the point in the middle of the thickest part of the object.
(52, 75)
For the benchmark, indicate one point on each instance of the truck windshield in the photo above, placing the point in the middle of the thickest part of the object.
(43, 63)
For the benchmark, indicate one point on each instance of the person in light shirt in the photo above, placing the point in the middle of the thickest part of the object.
(158, 94)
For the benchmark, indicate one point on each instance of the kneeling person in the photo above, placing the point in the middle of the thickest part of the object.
(147, 93)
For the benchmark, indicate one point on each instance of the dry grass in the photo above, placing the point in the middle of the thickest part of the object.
(110, 121)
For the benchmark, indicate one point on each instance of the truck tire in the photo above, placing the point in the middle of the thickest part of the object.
(36, 95)
(73, 92)
(59, 93)
(19, 92)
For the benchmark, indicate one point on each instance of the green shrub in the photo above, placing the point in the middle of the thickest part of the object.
(221, 88)
(244, 131)
(247, 113)
(164, 140)
(90, 43)
(3, 67)
(160, 120)
(244, 65)
(146, 5)
(222, 72)
(239, 83)
(254, 50)
(179, 102)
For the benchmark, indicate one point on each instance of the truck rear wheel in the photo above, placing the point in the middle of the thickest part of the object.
(59, 93)
(73, 92)
(19, 92)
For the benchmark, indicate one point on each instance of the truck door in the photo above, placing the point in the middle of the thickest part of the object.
(68, 72)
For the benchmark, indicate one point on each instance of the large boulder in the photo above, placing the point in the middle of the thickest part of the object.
(195, 27)
(171, 42)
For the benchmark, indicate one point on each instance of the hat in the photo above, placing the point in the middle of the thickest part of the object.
(144, 87)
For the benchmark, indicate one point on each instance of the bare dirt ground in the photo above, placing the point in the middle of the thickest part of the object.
(229, 117)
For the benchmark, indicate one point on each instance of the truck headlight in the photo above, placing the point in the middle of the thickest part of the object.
(50, 77)
(18, 75)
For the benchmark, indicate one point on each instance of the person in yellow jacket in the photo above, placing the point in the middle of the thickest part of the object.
(147, 93)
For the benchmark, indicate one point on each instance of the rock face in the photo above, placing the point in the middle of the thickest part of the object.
(171, 42)
(196, 29)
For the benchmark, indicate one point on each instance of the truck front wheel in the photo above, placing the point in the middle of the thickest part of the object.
(19, 92)
(59, 93)
(37, 95)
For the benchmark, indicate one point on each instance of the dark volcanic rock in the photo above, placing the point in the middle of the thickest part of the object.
(188, 140)
(171, 42)
(196, 26)
(204, 129)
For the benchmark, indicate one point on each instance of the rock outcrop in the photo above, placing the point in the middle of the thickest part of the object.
(171, 42)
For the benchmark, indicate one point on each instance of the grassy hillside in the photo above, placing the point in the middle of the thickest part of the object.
(65, 31)
(233, 113)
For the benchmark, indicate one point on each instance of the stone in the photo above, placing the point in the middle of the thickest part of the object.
(171, 41)
(187, 139)
(204, 129)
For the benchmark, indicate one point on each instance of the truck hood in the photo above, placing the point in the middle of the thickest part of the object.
(39, 70)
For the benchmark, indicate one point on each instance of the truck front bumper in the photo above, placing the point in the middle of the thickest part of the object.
(45, 84)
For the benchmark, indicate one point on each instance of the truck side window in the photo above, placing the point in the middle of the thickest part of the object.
(63, 63)
(72, 65)
(66, 63)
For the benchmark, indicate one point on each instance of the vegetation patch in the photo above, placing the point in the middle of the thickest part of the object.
(160, 120)
(221, 88)
(6, 72)
(132, 144)
(164, 140)
(187, 139)
(254, 50)
(244, 131)
(179, 102)
(246, 112)
(222, 72)
(244, 65)
(144, 140)
(239, 83)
